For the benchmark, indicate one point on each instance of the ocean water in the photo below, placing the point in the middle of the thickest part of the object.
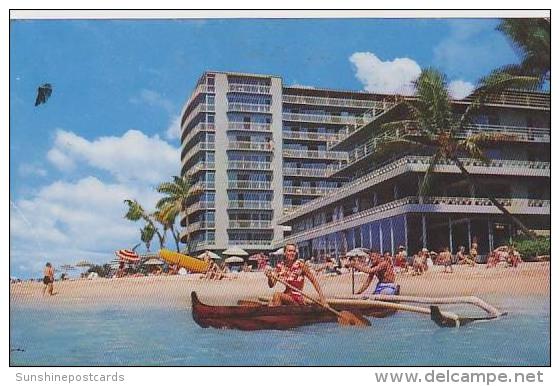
(106, 336)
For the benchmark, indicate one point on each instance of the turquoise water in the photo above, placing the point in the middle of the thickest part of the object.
(169, 337)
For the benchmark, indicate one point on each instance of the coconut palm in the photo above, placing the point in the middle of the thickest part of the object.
(174, 202)
(433, 125)
(146, 235)
(136, 212)
(531, 41)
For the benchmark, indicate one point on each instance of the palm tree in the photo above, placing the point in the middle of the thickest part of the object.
(175, 201)
(531, 41)
(146, 235)
(434, 124)
(136, 212)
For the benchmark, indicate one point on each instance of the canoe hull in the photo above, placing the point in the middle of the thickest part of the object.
(251, 318)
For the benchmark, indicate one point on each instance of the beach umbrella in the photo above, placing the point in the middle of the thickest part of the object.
(83, 263)
(235, 251)
(211, 255)
(153, 262)
(356, 252)
(127, 256)
(234, 259)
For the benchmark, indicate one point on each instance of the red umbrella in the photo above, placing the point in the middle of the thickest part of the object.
(127, 256)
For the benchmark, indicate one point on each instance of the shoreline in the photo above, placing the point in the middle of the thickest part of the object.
(529, 279)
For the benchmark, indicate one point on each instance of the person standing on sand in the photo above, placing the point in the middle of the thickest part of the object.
(383, 269)
(48, 279)
(293, 271)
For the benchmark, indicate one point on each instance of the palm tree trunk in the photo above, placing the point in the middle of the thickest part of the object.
(175, 237)
(474, 182)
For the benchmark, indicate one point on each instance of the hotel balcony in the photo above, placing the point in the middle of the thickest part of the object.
(249, 204)
(200, 205)
(324, 101)
(426, 205)
(308, 190)
(201, 108)
(249, 88)
(250, 146)
(307, 172)
(200, 225)
(302, 135)
(320, 118)
(199, 187)
(250, 185)
(201, 88)
(199, 166)
(532, 100)
(249, 165)
(315, 154)
(250, 126)
(249, 108)
(250, 224)
(252, 244)
(420, 164)
(200, 146)
(199, 127)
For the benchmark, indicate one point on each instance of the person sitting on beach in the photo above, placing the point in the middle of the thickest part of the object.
(400, 260)
(514, 257)
(419, 262)
(292, 271)
(48, 279)
(444, 258)
(382, 268)
(474, 249)
(462, 258)
(121, 271)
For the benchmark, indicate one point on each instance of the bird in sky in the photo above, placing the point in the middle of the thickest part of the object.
(43, 94)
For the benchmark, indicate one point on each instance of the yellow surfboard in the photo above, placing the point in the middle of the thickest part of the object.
(188, 262)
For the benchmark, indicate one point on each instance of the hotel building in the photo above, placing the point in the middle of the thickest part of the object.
(272, 164)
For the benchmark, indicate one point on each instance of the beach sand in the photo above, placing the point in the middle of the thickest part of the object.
(174, 291)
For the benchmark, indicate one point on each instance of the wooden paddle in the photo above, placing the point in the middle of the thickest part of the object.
(345, 318)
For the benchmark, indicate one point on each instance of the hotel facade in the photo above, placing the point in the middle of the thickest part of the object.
(272, 164)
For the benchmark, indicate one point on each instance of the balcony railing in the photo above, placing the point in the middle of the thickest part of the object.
(249, 165)
(426, 204)
(249, 204)
(201, 88)
(512, 98)
(263, 243)
(308, 172)
(253, 146)
(199, 225)
(250, 224)
(250, 126)
(199, 127)
(201, 108)
(249, 88)
(249, 107)
(258, 185)
(418, 164)
(319, 118)
(201, 205)
(323, 101)
(200, 146)
(308, 190)
(309, 136)
(199, 187)
(315, 154)
(201, 165)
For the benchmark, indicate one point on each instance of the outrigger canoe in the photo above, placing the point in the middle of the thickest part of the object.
(262, 317)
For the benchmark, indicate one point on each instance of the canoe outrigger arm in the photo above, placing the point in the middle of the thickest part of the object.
(446, 321)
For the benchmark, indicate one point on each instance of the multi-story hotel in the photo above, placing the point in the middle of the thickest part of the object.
(265, 158)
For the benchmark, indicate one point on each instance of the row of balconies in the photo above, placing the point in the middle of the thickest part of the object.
(308, 190)
(249, 204)
(253, 146)
(315, 154)
(200, 225)
(250, 224)
(249, 107)
(323, 137)
(324, 101)
(201, 205)
(262, 243)
(249, 165)
(251, 185)
(199, 187)
(248, 88)
(320, 118)
(200, 146)
(202, 126)
(249, 126)
(201, 108)
(201, 165)
(421, 164)
(308, 172)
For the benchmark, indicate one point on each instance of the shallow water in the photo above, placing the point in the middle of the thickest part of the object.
(103, 336)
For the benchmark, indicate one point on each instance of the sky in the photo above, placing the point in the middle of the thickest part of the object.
(110, 129)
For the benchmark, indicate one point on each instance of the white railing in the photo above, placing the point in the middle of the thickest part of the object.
(308, 172)
(319, 118)
(201, 88)
(250, 242)
(324, 101)
(249, 204)
(201, 186)
(200, 146)
(243, 145)
(260, 185)
(249, 165)
(201, 165)
(309, 136)
(249, 126)
(250, 88)
(249, 107)
(201, 126)
(408, 163)
(315, 154)
(251, 224)
(308, 190)
(201, 108)
(201, 225)
(201, 205)
(512, 98)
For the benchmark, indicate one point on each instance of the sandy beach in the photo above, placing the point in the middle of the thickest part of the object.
(174, 291)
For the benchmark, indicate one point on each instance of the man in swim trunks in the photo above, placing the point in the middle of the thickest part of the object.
(48, 279)
(383, 269)
(293, 271)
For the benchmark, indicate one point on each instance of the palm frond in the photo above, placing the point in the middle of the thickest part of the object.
(433, 101)
(429, 175)
(135, 211)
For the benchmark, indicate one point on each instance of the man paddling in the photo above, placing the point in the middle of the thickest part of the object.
(383, 269)
(293, 271)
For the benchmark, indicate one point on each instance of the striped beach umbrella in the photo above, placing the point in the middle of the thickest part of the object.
(127, 256)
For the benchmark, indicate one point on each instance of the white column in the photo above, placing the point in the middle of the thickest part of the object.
(470, 236)
(450, 235)
(406, 233)
(490, 236)
(380, 238)
(392, 238)
(424, 238)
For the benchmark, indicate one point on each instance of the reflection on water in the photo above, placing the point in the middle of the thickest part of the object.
(109, 336)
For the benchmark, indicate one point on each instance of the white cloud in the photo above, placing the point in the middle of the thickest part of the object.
(154, 99)
(459, 89)
(389, 77)
(174, 129)
(31, 170)
(132, 157)
(65, 222)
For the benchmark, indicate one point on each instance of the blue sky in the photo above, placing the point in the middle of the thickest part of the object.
(109, 131)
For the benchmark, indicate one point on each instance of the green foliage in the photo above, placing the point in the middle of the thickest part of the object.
(530, 248)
